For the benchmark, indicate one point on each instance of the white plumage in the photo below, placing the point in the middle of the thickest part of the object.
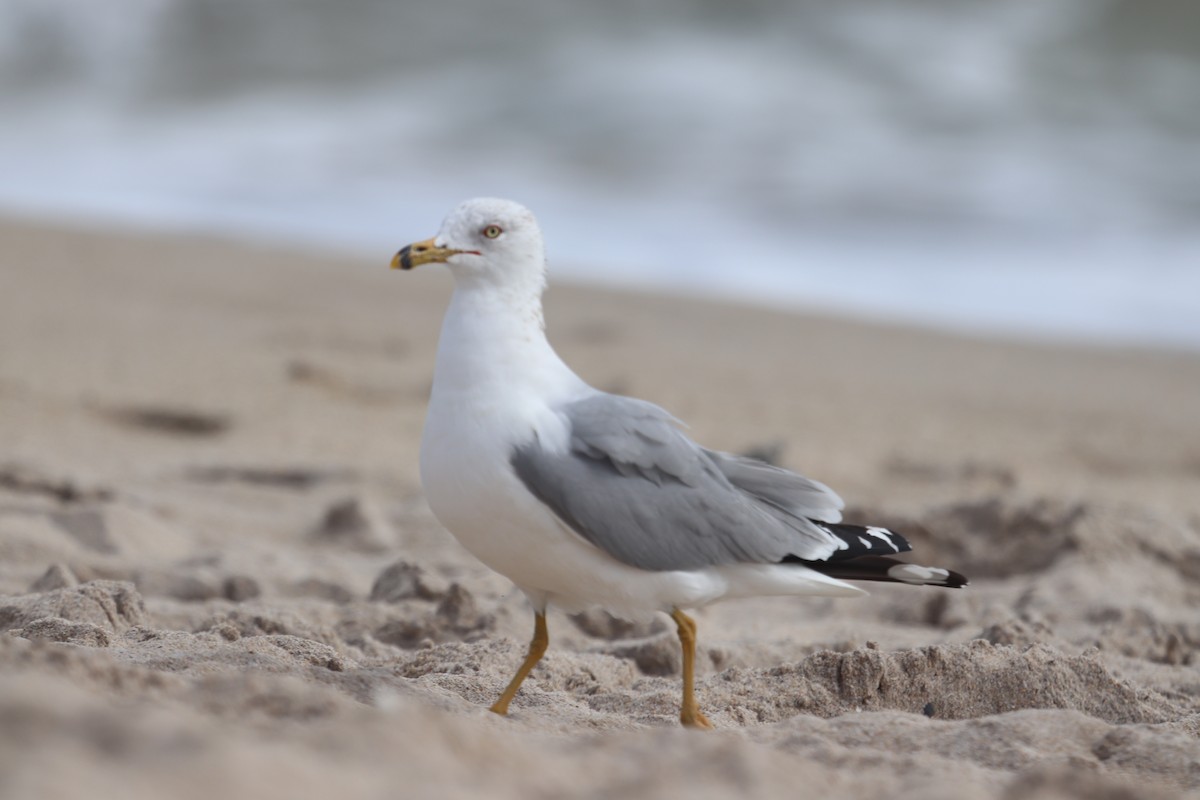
(498, 384)
(587, 499)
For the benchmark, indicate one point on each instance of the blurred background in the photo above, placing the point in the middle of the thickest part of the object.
(1029, 166)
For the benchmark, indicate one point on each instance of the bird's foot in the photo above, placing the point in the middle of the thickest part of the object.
(694, 719)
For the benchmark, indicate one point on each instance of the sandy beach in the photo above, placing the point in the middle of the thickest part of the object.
(219, 578)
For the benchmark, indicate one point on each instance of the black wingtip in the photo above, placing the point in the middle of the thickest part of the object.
(863, 540)
(956, 580)
(886, 569)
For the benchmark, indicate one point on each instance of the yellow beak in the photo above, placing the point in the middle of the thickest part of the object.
(425, 252)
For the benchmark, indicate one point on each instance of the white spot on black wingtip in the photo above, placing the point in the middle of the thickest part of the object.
(885, 535)
(840, 541)
(917, 575)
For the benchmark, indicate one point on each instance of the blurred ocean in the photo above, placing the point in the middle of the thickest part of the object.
(1027, 166)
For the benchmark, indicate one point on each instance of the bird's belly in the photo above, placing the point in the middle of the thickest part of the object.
(475, 494)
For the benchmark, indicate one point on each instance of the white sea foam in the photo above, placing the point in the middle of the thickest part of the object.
(964, 168)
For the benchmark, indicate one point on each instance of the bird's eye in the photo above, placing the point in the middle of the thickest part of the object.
(492, 231)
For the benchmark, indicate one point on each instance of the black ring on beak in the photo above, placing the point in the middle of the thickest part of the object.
(405, 256)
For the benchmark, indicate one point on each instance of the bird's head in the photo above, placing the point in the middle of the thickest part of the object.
(484, 238)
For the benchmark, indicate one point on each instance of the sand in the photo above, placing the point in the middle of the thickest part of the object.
(218, 578)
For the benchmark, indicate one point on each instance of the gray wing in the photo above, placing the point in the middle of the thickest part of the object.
(635, 486)
(795, 494)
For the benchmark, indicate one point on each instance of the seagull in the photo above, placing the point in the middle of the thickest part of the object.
(586, 499)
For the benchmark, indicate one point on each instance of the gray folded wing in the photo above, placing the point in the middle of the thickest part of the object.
(635, 486)
(796, 494)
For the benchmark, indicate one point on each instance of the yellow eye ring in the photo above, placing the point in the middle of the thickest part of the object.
(492, 231)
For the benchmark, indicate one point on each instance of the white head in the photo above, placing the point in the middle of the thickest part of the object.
(484, 240)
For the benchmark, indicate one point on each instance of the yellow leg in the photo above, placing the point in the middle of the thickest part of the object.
(689, 712)
(537, 648)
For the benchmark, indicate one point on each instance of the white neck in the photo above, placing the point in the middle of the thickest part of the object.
(493, 342)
